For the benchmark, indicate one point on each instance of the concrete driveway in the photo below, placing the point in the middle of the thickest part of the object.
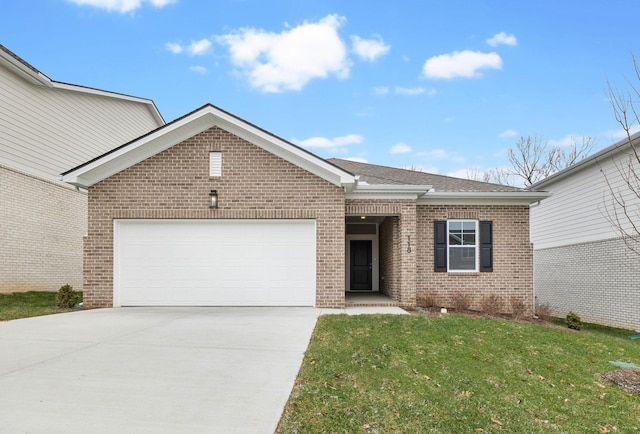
(151, 370)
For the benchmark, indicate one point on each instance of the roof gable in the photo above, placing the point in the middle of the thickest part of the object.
(32, 75)
(206, 117)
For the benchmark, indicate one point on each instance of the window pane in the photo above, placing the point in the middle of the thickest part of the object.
(469, 226)
(469, 238)
(462, 258)
(455, 238)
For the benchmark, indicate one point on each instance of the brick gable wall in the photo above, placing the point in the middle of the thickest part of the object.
(255, 184)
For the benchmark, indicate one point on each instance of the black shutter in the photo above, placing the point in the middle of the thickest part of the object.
(440, 246)
(486, 246)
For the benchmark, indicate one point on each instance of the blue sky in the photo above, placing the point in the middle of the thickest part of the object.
(446, 86)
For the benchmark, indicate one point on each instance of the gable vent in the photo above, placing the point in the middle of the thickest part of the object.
(215, 163)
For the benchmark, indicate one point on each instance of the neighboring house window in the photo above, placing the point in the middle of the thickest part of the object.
(463, 245)
(215, 163)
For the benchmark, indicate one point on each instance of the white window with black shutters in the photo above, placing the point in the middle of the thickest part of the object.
(463, 246)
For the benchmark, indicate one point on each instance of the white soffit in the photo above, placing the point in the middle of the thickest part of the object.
(190, 125)
(482, 198)
(388, 191)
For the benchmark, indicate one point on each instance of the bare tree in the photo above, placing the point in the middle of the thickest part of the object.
(623, 203)
(533, 159)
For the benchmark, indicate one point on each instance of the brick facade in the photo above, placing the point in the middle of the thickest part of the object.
(597, 280)
(512, 275)
(255, 184)
(41, 228)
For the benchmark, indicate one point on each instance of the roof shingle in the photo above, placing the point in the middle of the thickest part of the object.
(374, 174)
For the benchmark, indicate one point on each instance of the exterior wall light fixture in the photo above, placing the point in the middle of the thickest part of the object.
(213, 199)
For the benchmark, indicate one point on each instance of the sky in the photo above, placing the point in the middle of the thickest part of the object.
(441, 86)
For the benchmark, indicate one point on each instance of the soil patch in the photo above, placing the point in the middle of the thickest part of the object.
(628, 378)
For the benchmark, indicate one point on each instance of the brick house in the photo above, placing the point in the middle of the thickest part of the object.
(47, 127)
(212, 210)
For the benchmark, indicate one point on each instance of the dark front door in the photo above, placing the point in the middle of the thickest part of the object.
(361, 265)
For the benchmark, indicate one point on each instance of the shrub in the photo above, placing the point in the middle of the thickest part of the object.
(491, 304)
(573, 321)
(461, 300)
(544, 311)
(66, 297)
(428, 299)
(518, 307)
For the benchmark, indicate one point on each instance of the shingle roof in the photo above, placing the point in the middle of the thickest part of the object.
(374, 174)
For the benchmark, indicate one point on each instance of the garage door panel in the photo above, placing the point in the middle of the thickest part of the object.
(214, 262)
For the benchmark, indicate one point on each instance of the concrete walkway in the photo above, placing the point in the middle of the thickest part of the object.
(153, 370)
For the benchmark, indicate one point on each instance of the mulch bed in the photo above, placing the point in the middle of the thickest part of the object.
(628, 378)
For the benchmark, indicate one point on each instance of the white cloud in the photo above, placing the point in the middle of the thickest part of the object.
(410, 91)
(197, 48)
(277, 62)
(380, 90)
(617, 135)
(174, 48)
(400, 148)
(508, 133)
(369, 49)
(198, 69)
(337, 144)
(460, 64)
(121, 6)
(502, 39)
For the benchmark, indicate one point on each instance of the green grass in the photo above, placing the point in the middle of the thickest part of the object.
(410, 374)
(27, 304)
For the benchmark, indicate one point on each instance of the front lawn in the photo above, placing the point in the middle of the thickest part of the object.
(410, 374)
(27, 304)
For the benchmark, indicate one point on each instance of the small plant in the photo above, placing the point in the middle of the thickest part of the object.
(461, 300)
(573, 321)
(491, 304)
(66, 297)
(428, 299)
(518, 307)
(544, 311)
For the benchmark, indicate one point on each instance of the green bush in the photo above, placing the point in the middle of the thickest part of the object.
(573, 321)
(66, 297)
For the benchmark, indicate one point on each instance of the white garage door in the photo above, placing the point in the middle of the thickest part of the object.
(214, 263)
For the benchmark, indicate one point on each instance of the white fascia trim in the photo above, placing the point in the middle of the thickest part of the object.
(388, 191)
(29, 74)
(284, 150)
(482, 198)
(191, 125)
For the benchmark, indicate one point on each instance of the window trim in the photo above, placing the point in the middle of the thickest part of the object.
(475, 246)
(441, 250)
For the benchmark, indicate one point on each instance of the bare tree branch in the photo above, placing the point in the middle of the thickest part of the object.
(623, 201)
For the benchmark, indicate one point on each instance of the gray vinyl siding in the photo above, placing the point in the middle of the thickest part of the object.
(46, 131)
(578, 208)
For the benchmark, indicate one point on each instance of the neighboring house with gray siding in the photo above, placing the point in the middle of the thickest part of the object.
(47, 127)
(581, 262)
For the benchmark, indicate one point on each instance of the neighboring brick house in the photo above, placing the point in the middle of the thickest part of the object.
(581, 261)
(212, 210)
(47, 127)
